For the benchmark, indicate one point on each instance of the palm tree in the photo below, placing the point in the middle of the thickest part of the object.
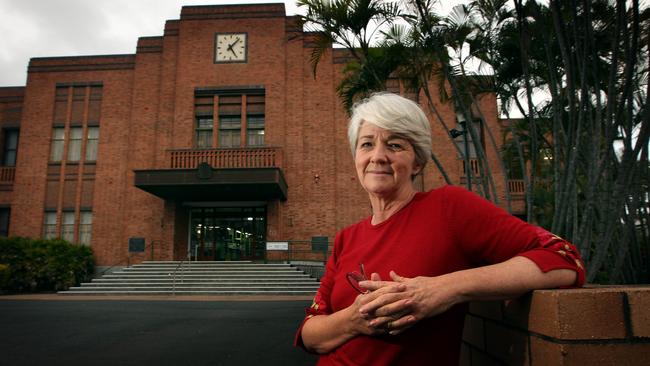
(415, 51)
(353, 24)
(590, 57)
(590, 64)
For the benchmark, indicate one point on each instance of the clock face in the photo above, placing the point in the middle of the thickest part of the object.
(230, 47)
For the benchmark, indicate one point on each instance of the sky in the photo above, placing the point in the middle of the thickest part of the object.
(50, 28)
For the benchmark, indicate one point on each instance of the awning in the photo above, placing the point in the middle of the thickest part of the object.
(208, 184)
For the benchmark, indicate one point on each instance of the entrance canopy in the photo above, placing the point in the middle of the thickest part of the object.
(209, 184)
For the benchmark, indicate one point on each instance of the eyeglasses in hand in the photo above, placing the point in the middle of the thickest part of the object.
(355, 277)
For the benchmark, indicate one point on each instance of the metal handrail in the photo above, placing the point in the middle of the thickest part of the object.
(173, 274)
(127, 259)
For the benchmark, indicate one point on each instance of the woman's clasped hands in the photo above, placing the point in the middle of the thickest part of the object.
(394, 306)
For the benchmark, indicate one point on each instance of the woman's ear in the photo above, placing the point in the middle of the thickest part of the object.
(417, 169)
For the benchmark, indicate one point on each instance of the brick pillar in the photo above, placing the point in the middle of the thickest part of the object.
(589, 326)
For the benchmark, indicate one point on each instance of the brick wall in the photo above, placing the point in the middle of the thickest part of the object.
(147, 109)
(589, 326)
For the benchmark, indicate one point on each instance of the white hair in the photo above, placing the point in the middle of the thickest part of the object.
(396, 114)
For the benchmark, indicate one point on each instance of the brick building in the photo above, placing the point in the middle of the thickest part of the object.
(214, 139)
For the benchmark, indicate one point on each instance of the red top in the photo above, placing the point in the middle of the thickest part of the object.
(438, 232)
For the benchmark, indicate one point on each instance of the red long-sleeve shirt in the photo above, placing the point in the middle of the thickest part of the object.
(438, 232)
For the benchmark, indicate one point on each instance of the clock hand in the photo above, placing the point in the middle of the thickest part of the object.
(230, 47)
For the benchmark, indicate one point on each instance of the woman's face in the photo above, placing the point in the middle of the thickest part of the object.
(384, 160)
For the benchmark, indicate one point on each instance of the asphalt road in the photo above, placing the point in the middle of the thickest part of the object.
(124, 332)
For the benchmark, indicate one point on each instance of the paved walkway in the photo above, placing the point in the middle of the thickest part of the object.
(161, 330)
(57, 297)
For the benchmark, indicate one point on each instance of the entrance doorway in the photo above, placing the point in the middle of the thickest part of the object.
(227, 233)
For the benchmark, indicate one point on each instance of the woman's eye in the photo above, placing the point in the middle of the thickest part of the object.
(364, 145)
(395, 146)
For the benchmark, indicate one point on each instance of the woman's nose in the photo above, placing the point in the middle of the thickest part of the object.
(378, 154)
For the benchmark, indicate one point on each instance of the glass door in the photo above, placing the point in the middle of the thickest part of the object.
(227, 233)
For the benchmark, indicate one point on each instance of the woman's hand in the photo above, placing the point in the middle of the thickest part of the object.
(365, 323)
(396, 311)
(323, 333)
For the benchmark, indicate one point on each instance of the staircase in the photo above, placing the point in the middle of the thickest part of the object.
(201, 278)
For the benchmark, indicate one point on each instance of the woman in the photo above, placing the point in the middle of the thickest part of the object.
(429, 254)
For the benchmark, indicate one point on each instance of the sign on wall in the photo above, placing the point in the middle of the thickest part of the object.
(277, 245)
(136, 245)
(319, 243)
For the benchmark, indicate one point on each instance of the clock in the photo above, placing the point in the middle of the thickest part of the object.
(230, 47)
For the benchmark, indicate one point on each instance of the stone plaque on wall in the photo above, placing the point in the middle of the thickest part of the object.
(136, 245)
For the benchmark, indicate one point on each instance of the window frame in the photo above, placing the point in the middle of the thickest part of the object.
(75, 144)
(84, 230)
(201, 134)
(92, 144)
(7, 132)
(56, 142)
(50, 234)
(68, 229)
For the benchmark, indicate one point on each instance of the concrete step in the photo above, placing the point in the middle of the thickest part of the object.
(201, 278)
(209, 270)
(216, 279)
(204, 276)
(183, 287)
(205, 273)
(152, 263)
(175, 265)
(204, 293)
(199, 284)
(267, 266)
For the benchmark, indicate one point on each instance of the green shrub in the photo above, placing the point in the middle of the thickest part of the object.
(4, 277)
(44, 265)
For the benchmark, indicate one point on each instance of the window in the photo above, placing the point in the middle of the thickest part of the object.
(255, 120)
(10, 148)
(76, 107)
(67, 226)
(49, 225)
(5, 213)
(256, 133)
(230, 120)
(91, 143)
(58, 140)
(75, 136)
(229, 131)
(74, 146)
(204, 132)
(85, 227)
(204, 113)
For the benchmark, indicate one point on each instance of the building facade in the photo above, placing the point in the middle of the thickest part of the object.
(211, 141)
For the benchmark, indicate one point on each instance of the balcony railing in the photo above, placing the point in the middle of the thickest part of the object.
(516, 187)
(473, 165)
(252, 157)
(7, 174)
